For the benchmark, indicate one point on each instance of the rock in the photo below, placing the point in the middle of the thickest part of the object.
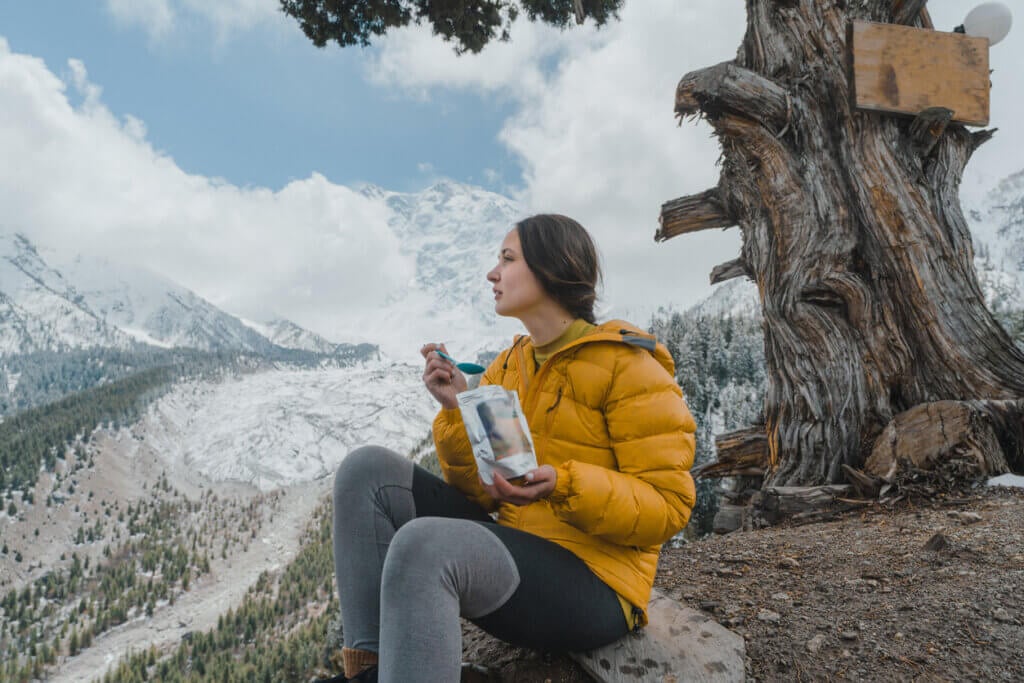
(965, 517)
(788, 563)
(678, 644)
(849, 635)
(1002, 616)
(769, 616)
(729, 518)
(937, 542)
(781, 597)
(815, 643)
(862, 585)
(709, 605)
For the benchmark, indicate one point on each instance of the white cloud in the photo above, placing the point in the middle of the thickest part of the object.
(415, 60)
(234, 15)
(595, 132)
(87, 180)
(156, 17)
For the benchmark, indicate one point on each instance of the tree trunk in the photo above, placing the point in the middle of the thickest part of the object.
(853, 231)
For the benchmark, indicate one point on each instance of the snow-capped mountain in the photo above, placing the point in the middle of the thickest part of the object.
(452, 232)
(155, 310)
(738, 298)
(53, 300)
(287, 334)
(41, 310)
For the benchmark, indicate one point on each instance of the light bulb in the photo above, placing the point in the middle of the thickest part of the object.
(990, 20)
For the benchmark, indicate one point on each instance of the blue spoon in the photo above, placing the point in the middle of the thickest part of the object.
(468, 368)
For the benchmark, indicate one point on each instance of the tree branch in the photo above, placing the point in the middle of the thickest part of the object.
(981, 137)
(580, 15)
(726, 87)
(691, 214)
(728, 271)
(906, 12)
(928, 127)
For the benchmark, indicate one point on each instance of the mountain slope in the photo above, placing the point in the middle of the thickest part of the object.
(52, 300)
(40, 310)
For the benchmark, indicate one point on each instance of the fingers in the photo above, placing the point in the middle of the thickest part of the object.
(438, 369)
(427, 348)
(518, 495)
(542, 474)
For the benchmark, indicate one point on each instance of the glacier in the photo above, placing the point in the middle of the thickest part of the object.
(276, 428)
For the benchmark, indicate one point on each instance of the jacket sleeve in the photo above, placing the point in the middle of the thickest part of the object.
(649, 499)
(455, 453)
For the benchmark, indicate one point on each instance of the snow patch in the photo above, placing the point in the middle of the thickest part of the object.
(1010, 480)
(281, 427)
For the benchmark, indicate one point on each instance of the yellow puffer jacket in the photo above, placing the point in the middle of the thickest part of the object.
(606, 413)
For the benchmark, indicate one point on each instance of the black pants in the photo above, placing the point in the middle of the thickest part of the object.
(559, 605)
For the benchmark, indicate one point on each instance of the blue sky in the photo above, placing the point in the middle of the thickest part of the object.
(264, 106)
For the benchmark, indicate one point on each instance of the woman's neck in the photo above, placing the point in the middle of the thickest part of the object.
(547, 323)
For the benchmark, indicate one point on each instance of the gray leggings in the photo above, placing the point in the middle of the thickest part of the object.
(412, 555)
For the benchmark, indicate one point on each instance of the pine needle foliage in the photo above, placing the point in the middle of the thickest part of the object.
(468, 24)
(276, 635)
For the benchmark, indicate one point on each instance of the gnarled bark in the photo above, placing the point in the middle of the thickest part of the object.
(853, 230)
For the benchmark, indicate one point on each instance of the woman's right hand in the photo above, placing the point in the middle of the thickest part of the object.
(442, 379)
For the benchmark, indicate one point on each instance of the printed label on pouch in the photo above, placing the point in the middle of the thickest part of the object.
(498, 432)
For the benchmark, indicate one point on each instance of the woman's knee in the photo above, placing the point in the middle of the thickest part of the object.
(366, 466)
(420, 547)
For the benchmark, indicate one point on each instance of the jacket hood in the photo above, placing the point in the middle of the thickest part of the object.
(617, 331)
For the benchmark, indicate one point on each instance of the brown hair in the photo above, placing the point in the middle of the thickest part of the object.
(562, 255)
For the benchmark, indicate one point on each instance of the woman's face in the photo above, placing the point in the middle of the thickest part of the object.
(516, 289)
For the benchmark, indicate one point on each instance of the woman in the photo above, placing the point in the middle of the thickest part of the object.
(570, 563)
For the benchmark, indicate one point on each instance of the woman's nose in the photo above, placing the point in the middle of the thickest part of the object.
(493, 275)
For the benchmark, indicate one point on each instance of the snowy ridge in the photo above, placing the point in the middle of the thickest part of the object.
(737, 298)
(53, 300)
(452, 233)
(41, 310)
(289, 335)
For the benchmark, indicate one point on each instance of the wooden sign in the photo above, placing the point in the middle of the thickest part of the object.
(905, 70)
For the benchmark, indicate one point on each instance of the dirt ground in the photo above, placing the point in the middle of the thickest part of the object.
(860, 598)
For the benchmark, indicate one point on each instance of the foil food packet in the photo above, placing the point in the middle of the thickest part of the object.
(498, 432)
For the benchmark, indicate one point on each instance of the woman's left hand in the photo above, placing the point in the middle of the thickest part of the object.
(539, 484)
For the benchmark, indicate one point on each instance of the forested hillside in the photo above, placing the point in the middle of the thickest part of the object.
(153, 551)
(34, 379)
(719, 356)
(278, 633)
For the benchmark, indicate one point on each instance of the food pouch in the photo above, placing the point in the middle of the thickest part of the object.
(497, 431)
